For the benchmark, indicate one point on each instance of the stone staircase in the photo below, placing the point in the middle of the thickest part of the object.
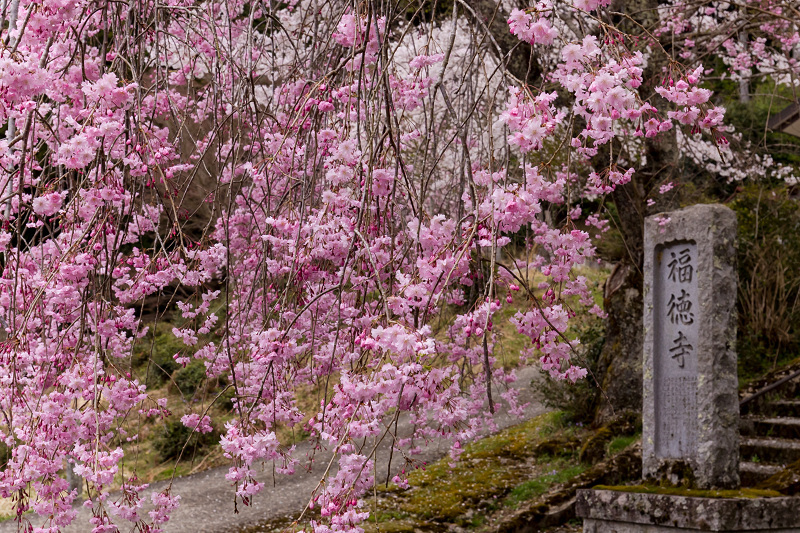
(770, 426)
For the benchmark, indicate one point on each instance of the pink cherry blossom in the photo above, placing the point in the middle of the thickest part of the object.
(322, 199)
(48, 205)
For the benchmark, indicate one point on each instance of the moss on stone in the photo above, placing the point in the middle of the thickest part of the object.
(787, 481)
(560, 445)
(696, 493)
(453, 494)
(517, 441)
(485, 471)
(674, 474)
(500, 484)
(594, 449)
(393, 525)
(538, 485)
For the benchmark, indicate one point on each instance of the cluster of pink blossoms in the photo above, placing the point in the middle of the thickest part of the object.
(533, 27)
(352, 227)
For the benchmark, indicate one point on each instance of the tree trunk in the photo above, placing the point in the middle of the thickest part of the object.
(620, 364)
(619, 368)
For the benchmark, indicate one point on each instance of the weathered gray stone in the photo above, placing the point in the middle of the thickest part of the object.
(691, 406)
(605, 526)
(607, 511)
(690, 402)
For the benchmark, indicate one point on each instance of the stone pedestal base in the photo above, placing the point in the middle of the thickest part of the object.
(607, 511)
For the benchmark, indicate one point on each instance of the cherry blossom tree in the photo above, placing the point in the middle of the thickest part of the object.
(328, 194)
(752, 44)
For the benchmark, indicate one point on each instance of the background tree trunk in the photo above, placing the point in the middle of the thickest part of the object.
(619, 370)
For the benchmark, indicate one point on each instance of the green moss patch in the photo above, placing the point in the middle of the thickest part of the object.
(540, 484)
(494, 475)
(620, 443)
(787, 481)
(509, 479)
(486, 471)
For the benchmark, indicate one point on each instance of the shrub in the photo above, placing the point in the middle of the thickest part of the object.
(579, 400)
(225, 401)
(189, 379)
(171, 438)
(5, 455)
(160, 369)
(769, 277)
(154, 354)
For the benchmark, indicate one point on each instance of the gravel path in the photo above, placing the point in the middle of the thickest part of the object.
(207, 497)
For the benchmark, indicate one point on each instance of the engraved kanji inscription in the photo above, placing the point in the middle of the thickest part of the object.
(680, 267)
(676, 321)
(681, 349)
(679, 308)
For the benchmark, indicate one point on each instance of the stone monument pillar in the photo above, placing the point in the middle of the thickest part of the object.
(690, 416)
(690, 430)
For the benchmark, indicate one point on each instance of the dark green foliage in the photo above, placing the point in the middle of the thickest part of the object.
(579, 400)
(154, 354)
(171, 438)
(599, 444)
(769, 278)
(160, 369)
(539, 485)
(620, 443)
(610, 244)
(594, 449)
(189, 379)
(5, 455)
(750, 118)
(225, 401)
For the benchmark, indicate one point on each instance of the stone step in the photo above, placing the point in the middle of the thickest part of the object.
(789, 408)
(774, 427)
(769, 450)
(791, 390)
(788, 391)
(752, 474)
